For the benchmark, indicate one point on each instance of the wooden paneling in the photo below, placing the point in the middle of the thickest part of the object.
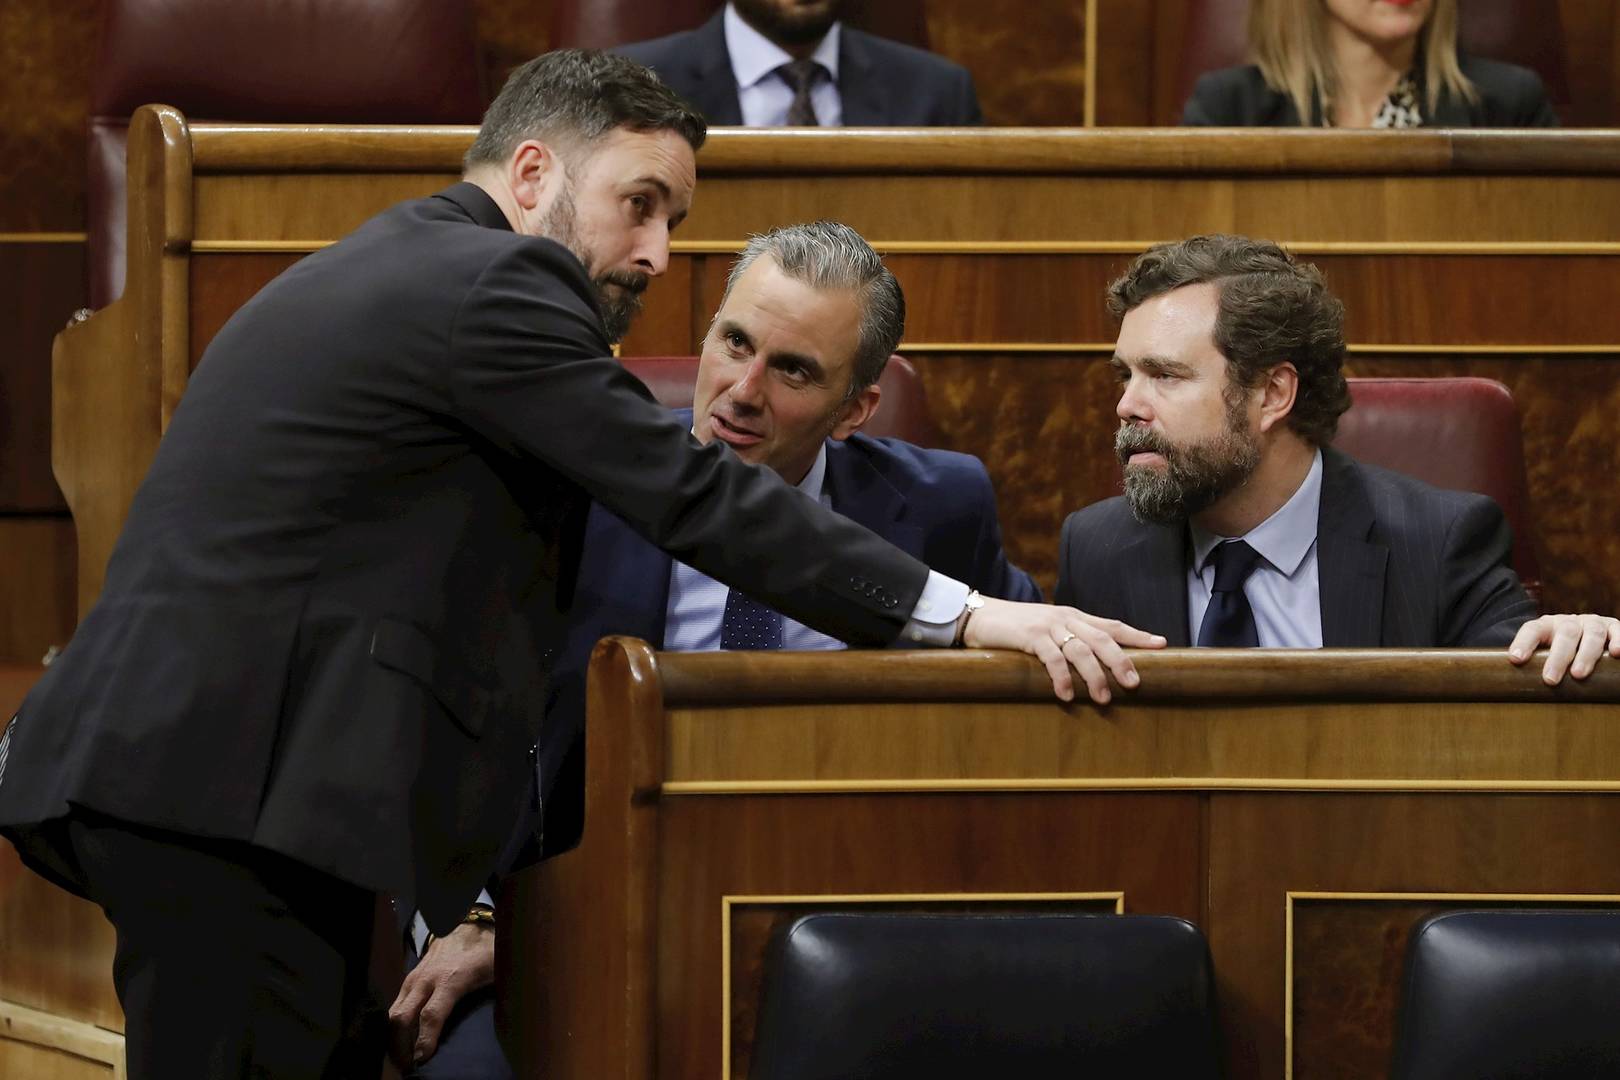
(58, 948)
(1264, 846)
(988, 846)
(47, 48)
(1227, 789)
(44, 285)
(37, 585)
(1028, 60)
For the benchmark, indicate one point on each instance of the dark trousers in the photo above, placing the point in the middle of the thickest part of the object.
(231, 961)
(468, 1046)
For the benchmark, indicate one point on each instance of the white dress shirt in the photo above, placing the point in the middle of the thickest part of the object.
(762, 92)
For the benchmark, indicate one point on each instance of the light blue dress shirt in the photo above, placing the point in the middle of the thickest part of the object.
(1284, 590)
(762, 92)
(697, 602)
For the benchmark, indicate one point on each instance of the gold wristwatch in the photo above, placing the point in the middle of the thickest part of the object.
(480, 915)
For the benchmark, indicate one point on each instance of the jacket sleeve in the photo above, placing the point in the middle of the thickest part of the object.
(1482, 602)
(530, 372)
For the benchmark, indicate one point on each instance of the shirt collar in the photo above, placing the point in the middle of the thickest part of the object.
(754, 56)
(1284, 538)
(816, 478)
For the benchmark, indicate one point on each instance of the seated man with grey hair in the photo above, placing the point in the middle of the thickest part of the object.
(787, 378)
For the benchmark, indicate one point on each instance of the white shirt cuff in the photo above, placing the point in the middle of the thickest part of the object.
(933, 620)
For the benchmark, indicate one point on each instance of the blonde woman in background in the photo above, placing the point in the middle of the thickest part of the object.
(1365, 64)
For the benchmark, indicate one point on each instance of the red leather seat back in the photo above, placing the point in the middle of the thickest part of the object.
(602, 24)
(1529, 33)
(271, 61)
(902, 415)
(1457, 433)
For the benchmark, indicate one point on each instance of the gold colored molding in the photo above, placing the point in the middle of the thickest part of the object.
(1136, 247)
(1106, 348)
(1128, 783)
(42, 237)
(1017, 247)
(1292, 896)
(32, 1027)
(727, 902)
(1090, 113)
(259, 247)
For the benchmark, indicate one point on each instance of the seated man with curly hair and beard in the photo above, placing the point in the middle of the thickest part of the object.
(1241, 525)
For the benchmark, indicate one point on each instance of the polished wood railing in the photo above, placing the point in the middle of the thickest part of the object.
(1303, 808)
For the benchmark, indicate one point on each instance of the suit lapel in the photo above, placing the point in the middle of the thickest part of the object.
(862, 494)
(1153, 570)
(714, 85)
(859, 94)
(1350, 568)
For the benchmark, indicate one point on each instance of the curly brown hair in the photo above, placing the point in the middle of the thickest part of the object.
(1272, 309)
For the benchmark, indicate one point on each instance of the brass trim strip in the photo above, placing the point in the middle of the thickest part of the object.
(1131, 783)
(1033, 247)
(727, 901)
(42, 237)
(1107, 348)
(259, 247)
(1089, 116)
(1292, 895)
(1136, 247)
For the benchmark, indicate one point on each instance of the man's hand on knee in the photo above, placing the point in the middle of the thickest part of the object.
(453, 967)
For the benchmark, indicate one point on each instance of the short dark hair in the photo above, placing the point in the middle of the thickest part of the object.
(577, 96)
(831, 255)
(1272, 308)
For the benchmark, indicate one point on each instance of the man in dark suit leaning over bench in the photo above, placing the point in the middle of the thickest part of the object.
(1240, 525)
(787, 378)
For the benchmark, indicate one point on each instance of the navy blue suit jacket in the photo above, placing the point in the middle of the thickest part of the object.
(934, 504)
(880, 82)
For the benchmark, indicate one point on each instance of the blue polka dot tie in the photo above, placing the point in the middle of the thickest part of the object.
(749, 624)
(1229, 620)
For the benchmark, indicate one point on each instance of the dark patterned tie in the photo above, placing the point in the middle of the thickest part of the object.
(749, 624)
(800, 75)
(1229, 620)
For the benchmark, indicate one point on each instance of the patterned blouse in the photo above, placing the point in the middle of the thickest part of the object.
(1399, 110)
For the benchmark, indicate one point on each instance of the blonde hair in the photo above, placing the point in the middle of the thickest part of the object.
(1289, 42)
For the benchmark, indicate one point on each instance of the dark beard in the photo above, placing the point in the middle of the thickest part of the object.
(787, 29)
(618, 292)
(1194, 476)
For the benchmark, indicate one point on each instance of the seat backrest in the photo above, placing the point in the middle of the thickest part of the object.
(602, 24)
(1490, 995)
(1530, 33)
(338, 61)
(903, 413)
(911, 995)
(1457, 433)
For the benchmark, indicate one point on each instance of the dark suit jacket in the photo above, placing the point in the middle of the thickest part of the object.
(880, 82)
(1509, 97)
(937, 505)
(1400, 564)
(325, 628)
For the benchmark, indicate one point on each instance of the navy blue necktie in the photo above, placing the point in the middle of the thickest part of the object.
(749, 624)
(1229, 620)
